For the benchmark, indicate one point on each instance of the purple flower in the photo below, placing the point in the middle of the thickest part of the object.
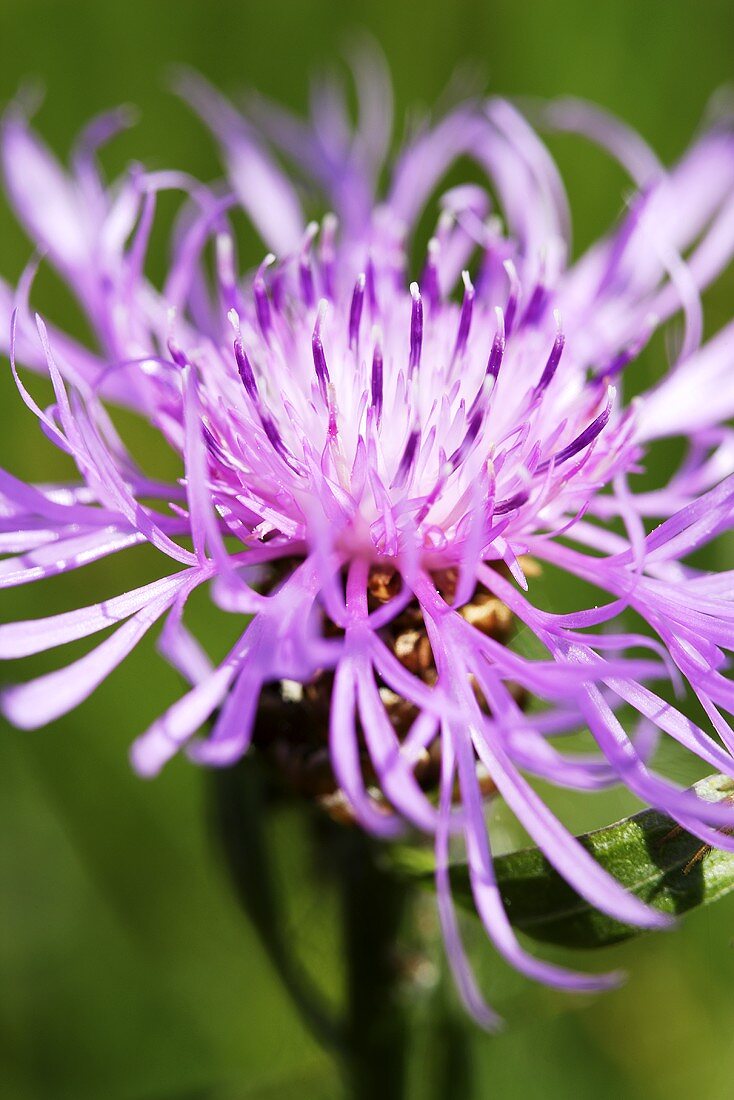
(371, 464)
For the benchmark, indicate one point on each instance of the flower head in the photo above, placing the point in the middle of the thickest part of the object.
(375, 455)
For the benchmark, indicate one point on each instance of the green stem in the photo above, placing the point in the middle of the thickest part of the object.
(241, 812)
(369, 1038)
(449, 1066)
(376, 1025)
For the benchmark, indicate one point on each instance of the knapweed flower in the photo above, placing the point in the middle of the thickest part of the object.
(376, 453)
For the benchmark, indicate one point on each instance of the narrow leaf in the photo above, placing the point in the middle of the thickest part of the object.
(655, 859)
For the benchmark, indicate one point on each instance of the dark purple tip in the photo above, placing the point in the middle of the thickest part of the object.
(509, 505)
(623, 358)
(629, 228)
(245, 370)
(271, 431)
(472, 431)
(305, 276)
(498, 347)
(536, 305)
(406, 462)
(260, 294)
(582, 440)
(465, 317)
(276, 440)
(319, 359)
(513, 296)
(550, 367)
(262, 306)
(416, 328)
(355, 310)
(211, 444)
(305, 270)
(618, 363)
(176, 354)
(371, 287)
(277, 289)
(377, 380)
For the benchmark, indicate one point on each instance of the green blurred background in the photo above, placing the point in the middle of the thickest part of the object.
(126, 969)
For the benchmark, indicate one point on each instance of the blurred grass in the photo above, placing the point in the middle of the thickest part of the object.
(126, 971)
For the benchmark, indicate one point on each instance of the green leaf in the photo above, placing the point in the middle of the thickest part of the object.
(655, 859)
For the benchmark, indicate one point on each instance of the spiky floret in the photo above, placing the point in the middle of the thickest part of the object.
(388, 450)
